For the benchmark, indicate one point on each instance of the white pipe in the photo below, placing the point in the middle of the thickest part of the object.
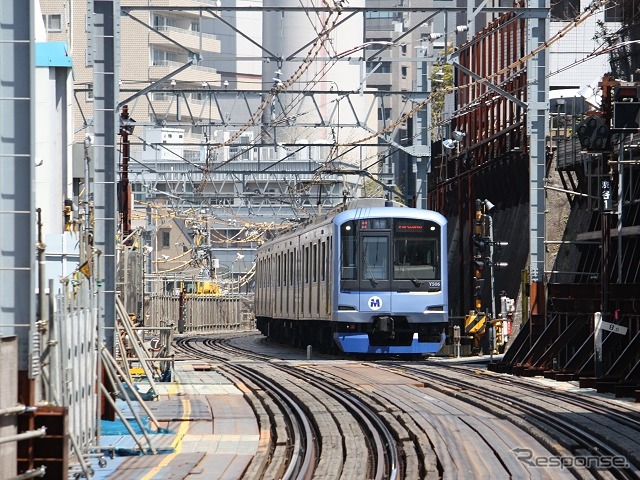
(36, 472)
(24, 436)
(13, 410)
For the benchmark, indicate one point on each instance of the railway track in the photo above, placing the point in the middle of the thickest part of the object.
(327, 433)
(422, 421)
(292, 447)
(587, 433)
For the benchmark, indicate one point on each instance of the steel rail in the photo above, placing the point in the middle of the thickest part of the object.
(481, 396)
(386, 455)
(303, 451)
(567, 397)
(382, 437)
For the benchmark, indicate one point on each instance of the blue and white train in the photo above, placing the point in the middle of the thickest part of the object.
(371, 279)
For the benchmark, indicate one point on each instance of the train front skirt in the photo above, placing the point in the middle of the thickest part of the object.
(359, 343)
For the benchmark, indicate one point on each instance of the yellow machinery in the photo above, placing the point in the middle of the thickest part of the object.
(207, 287)
(200, 287)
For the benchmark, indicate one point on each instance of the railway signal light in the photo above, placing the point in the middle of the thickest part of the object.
(478, 285)
(594, 133)
(626, 109)
(479, 244)
(479, 264)
(68, 208)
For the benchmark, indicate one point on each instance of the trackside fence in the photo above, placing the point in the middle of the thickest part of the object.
(198, 313)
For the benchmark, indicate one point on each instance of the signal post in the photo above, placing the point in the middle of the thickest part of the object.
(481, 319)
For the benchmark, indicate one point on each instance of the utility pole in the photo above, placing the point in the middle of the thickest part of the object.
(126, 129)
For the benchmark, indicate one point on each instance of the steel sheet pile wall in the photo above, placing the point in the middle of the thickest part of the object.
(490, 162)
(493, 122)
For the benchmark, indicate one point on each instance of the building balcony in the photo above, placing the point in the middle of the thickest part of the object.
(187, 38)
(193, 74)
(379, 79)
(172, 3)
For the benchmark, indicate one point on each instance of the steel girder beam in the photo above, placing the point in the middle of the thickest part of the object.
(230, 109)
(104, 21)
(345, 9)
(538, 129)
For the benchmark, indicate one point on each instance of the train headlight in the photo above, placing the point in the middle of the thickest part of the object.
(434, 309)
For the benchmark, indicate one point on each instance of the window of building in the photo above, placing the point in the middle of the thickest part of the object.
(160, 22)
(382, 67)
(384, 113)
(376, 43)
(54, 22)
(565, 10)
(614, 12)
(379, 14)
(166, 238)
(403, 70)
(161, 57)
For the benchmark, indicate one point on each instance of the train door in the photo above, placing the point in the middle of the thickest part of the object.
(330, 267)
(297, 285)
(315, 278)
(305, 281)
(290, 289)
(322, 283)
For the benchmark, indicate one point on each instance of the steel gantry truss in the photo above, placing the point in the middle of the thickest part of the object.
(280, 116)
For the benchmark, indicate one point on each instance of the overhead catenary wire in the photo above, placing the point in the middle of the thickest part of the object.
(322, 42)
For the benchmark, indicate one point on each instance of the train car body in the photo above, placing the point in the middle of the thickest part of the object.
(368, 280)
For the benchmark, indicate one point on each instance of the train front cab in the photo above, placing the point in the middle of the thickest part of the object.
(390, 282)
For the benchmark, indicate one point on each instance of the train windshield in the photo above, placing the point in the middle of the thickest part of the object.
(382, 254)
(416, 254)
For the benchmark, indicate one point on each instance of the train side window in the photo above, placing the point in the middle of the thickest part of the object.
(348, 252)
(291, 264)
(284, 269)
(314, 275)
(323, 262)
(278, 258)
(306, 264)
